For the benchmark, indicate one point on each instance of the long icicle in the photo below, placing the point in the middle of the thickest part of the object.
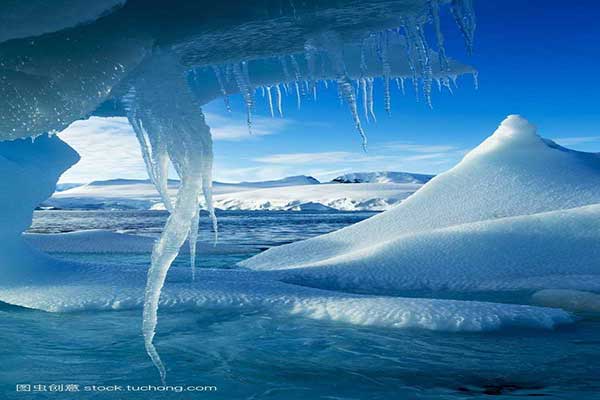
(179, 122)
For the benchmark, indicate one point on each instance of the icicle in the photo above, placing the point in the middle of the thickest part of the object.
(333, 45)
(363, 88)
(446, 83)
(241, 76)
(347, 91)
(476, 80)
(153, 148)
(400, 85)
(208, 198)
(218, 75)
(410, 52)
(297, 94)
(463, 13)
(278, 94)
(190, 150)
(454, 79)
(426, 68)
(370, 101)
(170, 126)
(270, 101)
(435, 13)
(193, 240)
(387, 71)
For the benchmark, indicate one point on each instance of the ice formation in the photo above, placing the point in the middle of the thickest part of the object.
(30, 170)
(170, 127)
(110, 59)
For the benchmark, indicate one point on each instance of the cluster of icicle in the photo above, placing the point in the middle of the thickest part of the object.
(322, 62)
(170, 126)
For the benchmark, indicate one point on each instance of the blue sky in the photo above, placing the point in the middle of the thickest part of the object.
(535, 58)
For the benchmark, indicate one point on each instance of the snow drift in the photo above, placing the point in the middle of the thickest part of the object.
(519, 212)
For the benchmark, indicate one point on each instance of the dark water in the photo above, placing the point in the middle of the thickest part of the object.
(262, 228)
(261, 356)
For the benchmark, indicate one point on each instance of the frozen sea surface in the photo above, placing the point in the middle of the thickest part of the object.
(257, 355)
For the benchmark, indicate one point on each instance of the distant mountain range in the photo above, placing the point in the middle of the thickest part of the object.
(373, 191)
(383, 177)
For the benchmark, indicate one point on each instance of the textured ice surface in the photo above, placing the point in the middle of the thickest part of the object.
(74, 287)
(512, 214)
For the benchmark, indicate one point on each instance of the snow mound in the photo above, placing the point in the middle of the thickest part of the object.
(383, 177)
(77, 288)
(517, 212)
(548, 250)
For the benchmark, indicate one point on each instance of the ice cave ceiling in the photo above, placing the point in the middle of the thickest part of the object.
(52, 79)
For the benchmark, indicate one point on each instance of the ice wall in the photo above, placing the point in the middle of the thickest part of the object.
(29, 170)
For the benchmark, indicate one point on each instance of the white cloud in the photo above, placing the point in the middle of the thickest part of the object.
(415, 148)
(233, 127)
(304, 158)
(259, 173)
(108, 149)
